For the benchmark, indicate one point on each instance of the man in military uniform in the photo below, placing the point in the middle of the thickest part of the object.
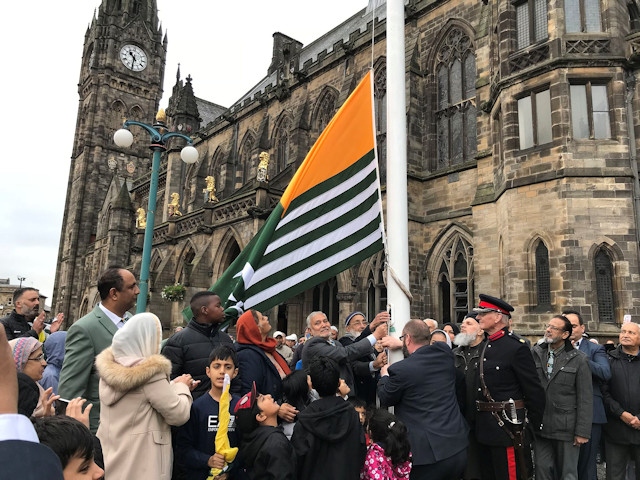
(510, 393)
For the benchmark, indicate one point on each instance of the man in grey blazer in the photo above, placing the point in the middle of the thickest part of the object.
(93, 333)
(322, 345)
(600, 373)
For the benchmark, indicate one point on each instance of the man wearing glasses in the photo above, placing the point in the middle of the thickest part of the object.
(565, 375)
(509, 392)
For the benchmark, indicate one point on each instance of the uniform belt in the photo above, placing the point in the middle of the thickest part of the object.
(498, 406)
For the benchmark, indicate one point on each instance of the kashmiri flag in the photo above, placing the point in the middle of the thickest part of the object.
(328, 219)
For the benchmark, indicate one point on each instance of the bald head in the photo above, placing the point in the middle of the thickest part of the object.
(418, 330)
(431, 323)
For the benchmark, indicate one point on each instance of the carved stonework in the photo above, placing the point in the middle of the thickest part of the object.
(589, 46)
(530, 57)
(346, 296)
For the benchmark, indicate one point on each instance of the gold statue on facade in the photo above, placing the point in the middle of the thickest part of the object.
(141, 219)
(263, 167)
(211, 189)
(174, 206)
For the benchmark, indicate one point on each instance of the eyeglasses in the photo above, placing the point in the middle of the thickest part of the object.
(401, 337)
(39, 358)
(557, 329)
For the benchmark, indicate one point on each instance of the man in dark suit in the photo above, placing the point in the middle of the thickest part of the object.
(422, 389)
(600, 373)
(93, 333)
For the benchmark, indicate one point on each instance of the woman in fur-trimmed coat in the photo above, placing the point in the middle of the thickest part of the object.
(139, 403)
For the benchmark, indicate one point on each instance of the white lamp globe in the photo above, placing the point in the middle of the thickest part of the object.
(123, 138)
(189, 154)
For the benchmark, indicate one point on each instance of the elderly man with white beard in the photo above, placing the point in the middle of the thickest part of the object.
(466, 354)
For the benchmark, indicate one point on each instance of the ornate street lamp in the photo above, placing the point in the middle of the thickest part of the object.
(159, 136)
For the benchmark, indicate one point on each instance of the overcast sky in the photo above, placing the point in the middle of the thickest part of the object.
(225, 46)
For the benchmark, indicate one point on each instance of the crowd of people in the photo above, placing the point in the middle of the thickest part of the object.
(110, 398)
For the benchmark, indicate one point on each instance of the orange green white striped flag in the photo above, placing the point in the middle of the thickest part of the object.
(328, 219)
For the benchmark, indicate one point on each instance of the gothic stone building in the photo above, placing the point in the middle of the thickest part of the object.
(522, 173)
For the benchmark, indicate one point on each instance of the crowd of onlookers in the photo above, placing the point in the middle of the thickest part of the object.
(111, 398)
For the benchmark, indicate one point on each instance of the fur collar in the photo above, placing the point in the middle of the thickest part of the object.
(123, 378)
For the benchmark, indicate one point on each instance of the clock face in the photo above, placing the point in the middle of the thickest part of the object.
(133, 57)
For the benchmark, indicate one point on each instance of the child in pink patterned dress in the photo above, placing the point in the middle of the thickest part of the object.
(388, 455)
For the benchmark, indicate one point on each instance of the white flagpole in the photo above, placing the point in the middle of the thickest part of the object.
(397, 215)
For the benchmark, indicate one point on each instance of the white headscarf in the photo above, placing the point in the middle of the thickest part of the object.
(138, 339)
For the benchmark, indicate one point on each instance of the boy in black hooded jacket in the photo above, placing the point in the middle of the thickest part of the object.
(265, 450)
(328, 438)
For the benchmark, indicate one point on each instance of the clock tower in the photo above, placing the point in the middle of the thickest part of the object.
(121, 77)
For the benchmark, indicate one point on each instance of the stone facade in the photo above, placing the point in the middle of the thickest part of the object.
(522, 173)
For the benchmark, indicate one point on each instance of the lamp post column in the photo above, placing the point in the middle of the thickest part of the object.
(141, 304)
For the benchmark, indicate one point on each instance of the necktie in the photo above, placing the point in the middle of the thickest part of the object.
(578, 345)
(550, 364)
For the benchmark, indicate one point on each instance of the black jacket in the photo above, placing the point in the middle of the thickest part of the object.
(255, 366)
(622, 394)
(365, 381)
(16, 326)
(329, 441)
(268, 455)
(189, 351)
(509, 372)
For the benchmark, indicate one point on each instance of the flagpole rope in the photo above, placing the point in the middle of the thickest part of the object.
(398, 282)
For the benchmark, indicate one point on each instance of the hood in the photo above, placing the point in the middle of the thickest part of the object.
(116, 379)
(253, 442)
(54, 348)
(330, 418)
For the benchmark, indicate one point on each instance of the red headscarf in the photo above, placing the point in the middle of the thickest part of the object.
(247, 332)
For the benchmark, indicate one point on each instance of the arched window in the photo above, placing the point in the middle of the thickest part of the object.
(325, 299)
(282, 147)
(604, 287)
(543, 278)
(245, 167)
(326, 109)
(455, 280)
(380, 96)
(376, 288)
(455, 108)
(186, 266)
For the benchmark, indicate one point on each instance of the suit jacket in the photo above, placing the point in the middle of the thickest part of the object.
(600, 373)
(317, 346)
(78, 378)
(426, 403)
(28, 461)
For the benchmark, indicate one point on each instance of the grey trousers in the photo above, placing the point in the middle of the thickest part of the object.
(617, 458)
(556, 459)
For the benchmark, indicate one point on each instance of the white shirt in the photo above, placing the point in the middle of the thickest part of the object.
(112, 316)
(14, 426)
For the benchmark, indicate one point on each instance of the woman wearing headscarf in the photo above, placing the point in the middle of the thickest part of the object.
(29, 359)
(139, 402)
(259, 361)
